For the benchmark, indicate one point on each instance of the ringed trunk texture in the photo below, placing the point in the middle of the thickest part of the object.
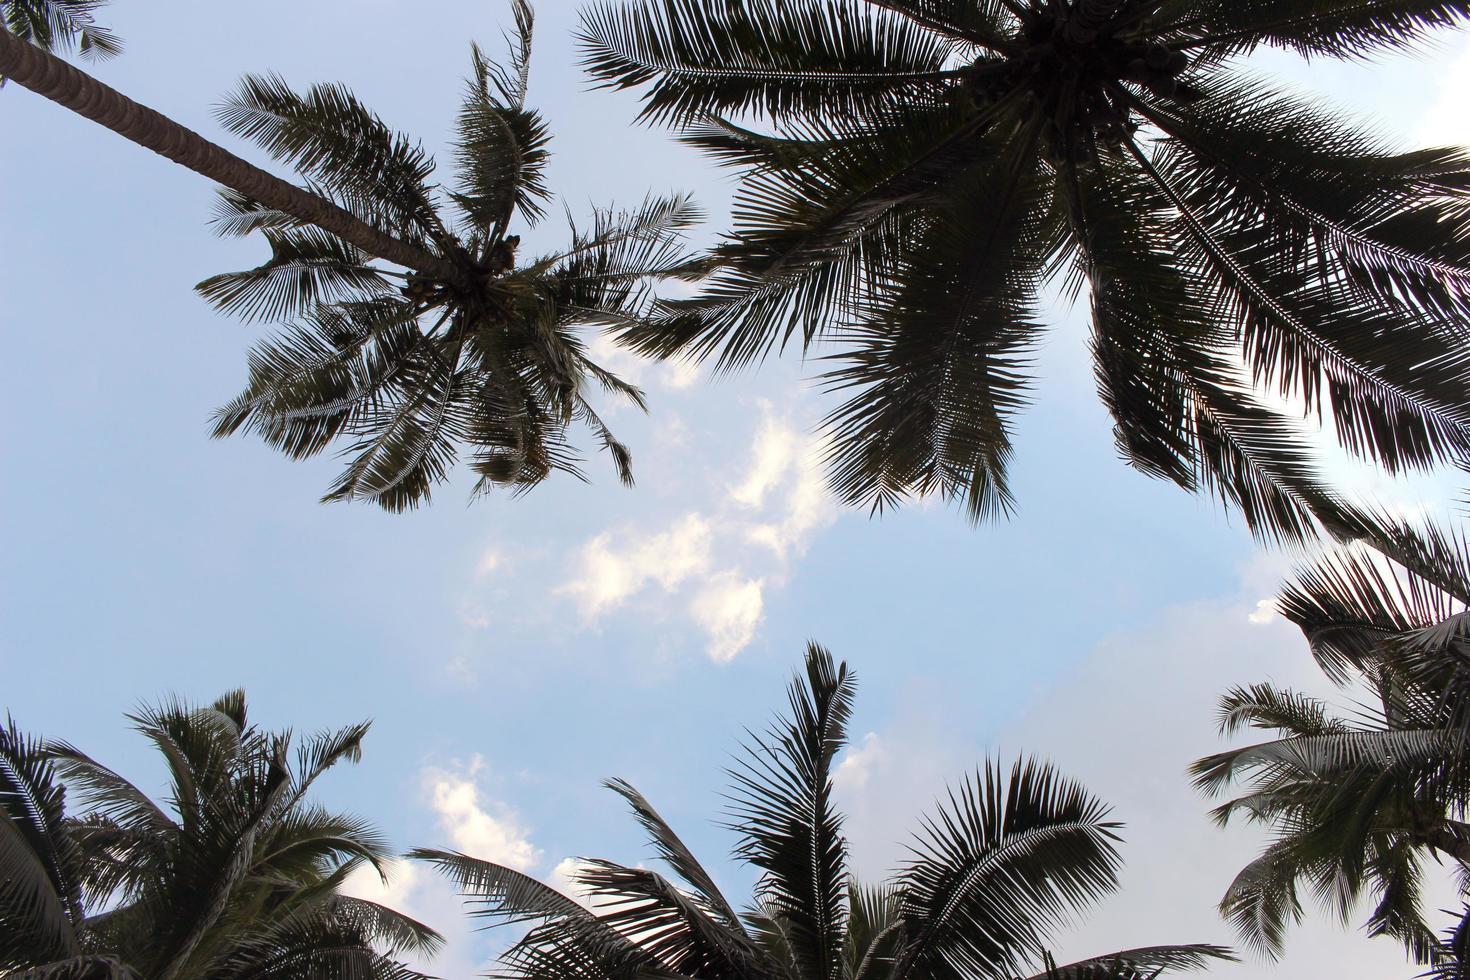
(51, 78)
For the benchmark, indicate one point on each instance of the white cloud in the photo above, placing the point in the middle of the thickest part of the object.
(490, 562)
(403, 879)
(858, 763)
(807, 506)
(612, 570)
(729, 610)
(773, 453)
(1447, 123)
(726, 560)
(476, 825)
(563, 877)
(1264, 613)
(680, 374)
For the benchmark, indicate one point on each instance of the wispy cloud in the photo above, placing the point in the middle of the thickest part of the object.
(721, 562)
(476, 824)
(614, 567)
(729, 610)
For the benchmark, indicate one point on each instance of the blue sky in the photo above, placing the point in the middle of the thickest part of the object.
(515, 651)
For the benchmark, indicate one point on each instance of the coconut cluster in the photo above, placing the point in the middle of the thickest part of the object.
(1083, 88)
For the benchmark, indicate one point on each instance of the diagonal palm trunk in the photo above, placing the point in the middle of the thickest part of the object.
(54, 79)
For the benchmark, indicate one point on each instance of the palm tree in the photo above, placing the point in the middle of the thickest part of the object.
(455, 343)
(913, 172)
(60, 25)
(995, 873)
(235, 877)
(42, 915)
(1357, 804)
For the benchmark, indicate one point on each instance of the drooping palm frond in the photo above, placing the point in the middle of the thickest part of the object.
(307, 267)
(937, 374)
(1413, 585)
(808, 58)
(1323, 755)
(1238, 245)
(343, 148)
(1324, 28)
(1453, 954)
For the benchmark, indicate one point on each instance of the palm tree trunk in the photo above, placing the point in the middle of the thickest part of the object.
(1088, 18)
(1449, 840)
(54, 79)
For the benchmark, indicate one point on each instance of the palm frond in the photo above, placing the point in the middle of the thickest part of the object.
(1325, 28)
(673, 928)
(1145, 963)
(61, 26)
(1285, 263)
(935, 364)
(840, 215)
(308, 267)
(387, 927)
(676, 853)
(1318, 756)
(1262, 902)
(783, 58)
(1005, 862)
(789, 828)
(40, 887)
(500, 148)
(1265, 706)
(336, 141)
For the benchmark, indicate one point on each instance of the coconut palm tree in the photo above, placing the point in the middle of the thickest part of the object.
(1012, 857)
(454, 341)
(60, 25)
(913, 172)
(1357, 805)
(42, 914)
(235, 877)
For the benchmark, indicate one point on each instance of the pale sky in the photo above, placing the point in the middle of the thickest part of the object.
(515, 651)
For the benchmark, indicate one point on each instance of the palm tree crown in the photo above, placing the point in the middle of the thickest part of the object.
(914, 171)
(479, 349)
(414, 331)
(1357, 804)
(235, 876)
(994, 874)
